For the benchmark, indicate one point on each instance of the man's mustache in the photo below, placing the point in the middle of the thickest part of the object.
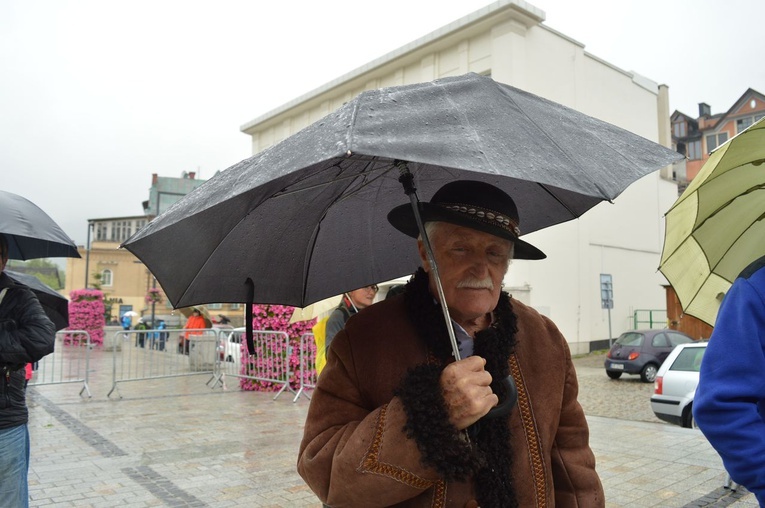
(474, 283)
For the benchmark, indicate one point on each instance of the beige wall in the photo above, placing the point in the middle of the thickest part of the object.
(130, 278)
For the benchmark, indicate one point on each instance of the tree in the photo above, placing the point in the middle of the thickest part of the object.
(45, 270)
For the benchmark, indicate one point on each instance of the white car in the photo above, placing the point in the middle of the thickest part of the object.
(230, 347)
(676, 382)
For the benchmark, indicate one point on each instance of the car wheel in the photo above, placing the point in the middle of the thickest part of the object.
(648, 374)
(614, 374)
(688, 421)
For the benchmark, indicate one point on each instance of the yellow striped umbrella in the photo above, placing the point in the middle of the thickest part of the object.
(715, 228)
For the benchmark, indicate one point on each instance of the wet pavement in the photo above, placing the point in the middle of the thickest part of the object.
(177, 442)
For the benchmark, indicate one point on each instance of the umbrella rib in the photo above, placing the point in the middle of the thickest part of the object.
(555, 197)
(543, 133)
(730, 247)
(728, 202)
(291, 190)
(315, 236)
(286, 192)
(711, 215)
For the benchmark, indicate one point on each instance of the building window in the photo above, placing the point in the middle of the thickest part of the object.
(101, 230)
(236, 306)
(106, 277)
(694, 150)
(121, 230)
(214, 306)
(743, 123)
(680, 129)
(715, 140)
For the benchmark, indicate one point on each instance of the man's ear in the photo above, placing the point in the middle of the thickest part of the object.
(423, 256)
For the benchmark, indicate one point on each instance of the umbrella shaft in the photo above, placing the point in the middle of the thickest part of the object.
(436, 277)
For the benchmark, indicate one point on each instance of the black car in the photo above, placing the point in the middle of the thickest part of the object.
(642, 352)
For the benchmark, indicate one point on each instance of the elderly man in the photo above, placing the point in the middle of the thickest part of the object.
(26, 335)
(395, 421)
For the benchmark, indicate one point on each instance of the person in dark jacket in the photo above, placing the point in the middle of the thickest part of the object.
(26, 335)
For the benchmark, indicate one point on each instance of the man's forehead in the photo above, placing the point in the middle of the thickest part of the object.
(454, 232)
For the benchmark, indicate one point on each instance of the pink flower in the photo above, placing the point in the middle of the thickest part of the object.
(86, 312)
(272, 362)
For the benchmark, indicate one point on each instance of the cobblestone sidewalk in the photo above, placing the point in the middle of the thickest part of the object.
(176, 442)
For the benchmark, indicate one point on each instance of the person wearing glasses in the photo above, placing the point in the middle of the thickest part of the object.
(351, 303)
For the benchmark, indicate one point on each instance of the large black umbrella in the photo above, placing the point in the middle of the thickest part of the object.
(56, 307)
(306, 218)
(31, 233)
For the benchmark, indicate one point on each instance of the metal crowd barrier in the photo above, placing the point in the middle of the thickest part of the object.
(139, 355)
(269, 365)
(307, 374)
(69, 362)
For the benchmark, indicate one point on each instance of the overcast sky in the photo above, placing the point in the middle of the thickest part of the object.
(95, 96)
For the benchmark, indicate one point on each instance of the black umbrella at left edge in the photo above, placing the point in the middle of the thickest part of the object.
(30, 232)
(56, 306)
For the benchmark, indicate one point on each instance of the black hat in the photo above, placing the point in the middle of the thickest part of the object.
(475, 205)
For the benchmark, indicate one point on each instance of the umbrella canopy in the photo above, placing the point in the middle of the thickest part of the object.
(186, 311)
(716, 228)
(306, 218)
(31, 233)
(55, 305)
(316, 309)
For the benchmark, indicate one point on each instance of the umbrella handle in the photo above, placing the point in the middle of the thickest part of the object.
(248, 316)
(505, 406)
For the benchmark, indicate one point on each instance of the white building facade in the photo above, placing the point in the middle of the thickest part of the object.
(509, 42)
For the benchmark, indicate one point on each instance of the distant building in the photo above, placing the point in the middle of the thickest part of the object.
(697, 137)
(166, 191)
(122, 277)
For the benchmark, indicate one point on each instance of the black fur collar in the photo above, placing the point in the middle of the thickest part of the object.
(487, 459)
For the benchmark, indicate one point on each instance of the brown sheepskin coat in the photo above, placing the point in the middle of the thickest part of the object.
(356, 451)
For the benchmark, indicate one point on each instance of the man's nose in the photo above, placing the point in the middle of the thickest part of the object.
(479, 265)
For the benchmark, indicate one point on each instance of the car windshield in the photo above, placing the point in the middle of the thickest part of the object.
(689, 359)
(676, 338)
(630, 339)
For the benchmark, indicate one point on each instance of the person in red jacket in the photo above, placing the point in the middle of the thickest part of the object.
(195, 322)
(27, 374)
